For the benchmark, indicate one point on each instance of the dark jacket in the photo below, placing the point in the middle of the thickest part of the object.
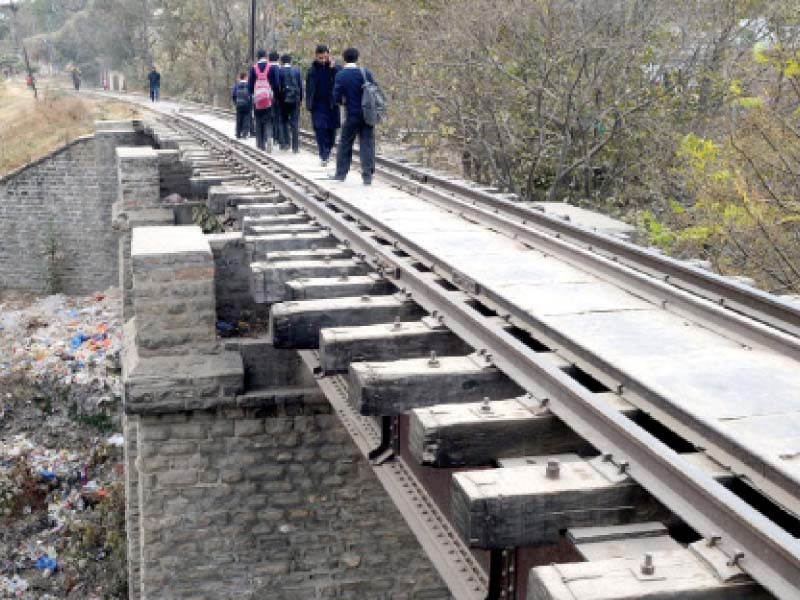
(273, 77)
(154, 78)
(319, 85)
(235, 87)
(348, 89)
(289, 71)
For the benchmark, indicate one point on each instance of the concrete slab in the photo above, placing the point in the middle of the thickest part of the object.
(572, 298)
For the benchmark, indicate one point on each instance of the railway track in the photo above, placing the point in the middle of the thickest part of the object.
(753, 530)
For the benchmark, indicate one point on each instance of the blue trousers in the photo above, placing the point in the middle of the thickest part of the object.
(290, 133)
(355, 126)
(326, 140)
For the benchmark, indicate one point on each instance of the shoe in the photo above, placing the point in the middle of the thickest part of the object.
(335, 177)
(367, 180)
(295, 151)
(323, 163)
(269, 146)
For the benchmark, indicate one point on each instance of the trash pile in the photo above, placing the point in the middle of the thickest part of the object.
(61, 461)
(48, 500)
(70, 343)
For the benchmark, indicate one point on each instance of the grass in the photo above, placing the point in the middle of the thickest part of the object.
(30, 129)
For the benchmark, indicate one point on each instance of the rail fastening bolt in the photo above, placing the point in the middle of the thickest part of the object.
(648, 568)
(737, 556)
(486, 406)
(397, 324)
(553, 469)
(433, 361)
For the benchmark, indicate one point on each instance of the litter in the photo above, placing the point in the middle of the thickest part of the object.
(45, 562)
(63, 341)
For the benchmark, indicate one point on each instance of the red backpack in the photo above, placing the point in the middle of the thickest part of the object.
(262, 92)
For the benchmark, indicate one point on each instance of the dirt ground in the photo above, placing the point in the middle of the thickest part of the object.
(61, 470)
(31, 128)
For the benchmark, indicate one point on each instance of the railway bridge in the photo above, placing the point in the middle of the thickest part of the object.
(427, 389)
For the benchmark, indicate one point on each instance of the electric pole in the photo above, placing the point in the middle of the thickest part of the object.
(21, 44)
(253, 30)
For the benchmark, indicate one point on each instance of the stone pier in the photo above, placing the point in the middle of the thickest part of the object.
(241, 481)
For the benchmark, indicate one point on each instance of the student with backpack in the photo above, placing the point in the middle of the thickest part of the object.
(291, 96)
(325, 117)
(262, 85)
(241, 98)
(365, 107)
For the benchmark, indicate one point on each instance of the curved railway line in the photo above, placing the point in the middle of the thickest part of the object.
(753, 522)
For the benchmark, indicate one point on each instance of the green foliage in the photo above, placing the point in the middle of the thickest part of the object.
(700, 152)
(658, 234)
(208, 222)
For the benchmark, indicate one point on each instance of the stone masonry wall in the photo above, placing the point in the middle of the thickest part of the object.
(268, 503)
(55, 218)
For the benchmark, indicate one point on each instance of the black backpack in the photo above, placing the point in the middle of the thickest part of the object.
(290, 91)
(373, 102)
(242, 95)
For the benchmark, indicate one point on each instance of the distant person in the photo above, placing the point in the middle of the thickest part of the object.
(325, 114)
(155, 84)
(348, 90)
(243, 102)
(262, 83)
(76, 78)
(291, 96)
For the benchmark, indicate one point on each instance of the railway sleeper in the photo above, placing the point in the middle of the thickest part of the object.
(297, 324)
(287, 228)
(264, 244)
(222, 197)
(385, 341)
(268, 279)
(529, 500)
(265, 209)
(248, 223)
(531, 504)
(396, 387)
(476, 434)
(338, 252)
(623, 564)
(344, 286)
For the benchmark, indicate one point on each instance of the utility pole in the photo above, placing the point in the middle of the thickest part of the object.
(21, 44)
(253, 30)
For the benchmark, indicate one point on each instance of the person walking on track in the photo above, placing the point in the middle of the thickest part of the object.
(325, 114)
(291, 97)
(349, 90)
(243, 102)
(154, 78)
(262, 84)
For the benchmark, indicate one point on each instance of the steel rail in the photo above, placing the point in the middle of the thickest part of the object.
(773, 480)
(760, 547)
(733, 296)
